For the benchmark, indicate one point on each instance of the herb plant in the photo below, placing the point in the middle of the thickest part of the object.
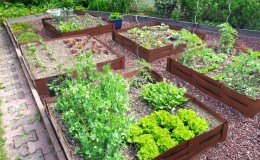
(93, 107)
(72, 24)
(115, 15)
(161, 130)
(163, 95)
(143, 76)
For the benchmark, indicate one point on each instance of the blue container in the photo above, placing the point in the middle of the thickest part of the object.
(117, 22)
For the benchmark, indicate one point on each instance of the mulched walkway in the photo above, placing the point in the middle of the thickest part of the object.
(25, 133)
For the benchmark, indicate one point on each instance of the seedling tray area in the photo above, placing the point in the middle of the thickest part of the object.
(156, 41)
(185, 150)
(85, 24)
(44, 59)
(215, 88)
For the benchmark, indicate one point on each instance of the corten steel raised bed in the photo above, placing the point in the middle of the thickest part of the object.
(41, 84)
(108, 28)
(186, 150)
(214, 88)
(153, 54)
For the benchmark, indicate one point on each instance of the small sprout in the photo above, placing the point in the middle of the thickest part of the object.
(73, 51)
(106, 52)
(66, 41)
(70, 45)
(77, 39)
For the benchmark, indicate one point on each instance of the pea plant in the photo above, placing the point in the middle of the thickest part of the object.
(93, 107)
(161, 130)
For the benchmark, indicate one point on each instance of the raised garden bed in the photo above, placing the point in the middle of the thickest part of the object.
(186, 150)
(147, 50)
(215, 88)
(86, 24)
(44, 58)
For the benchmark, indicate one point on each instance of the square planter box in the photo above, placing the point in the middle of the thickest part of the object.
(153, 54)
(41, 83)
(107, 28)
(186, 150)
(214, 88)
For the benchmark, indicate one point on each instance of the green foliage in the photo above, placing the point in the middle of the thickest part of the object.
(227, 37)
(165, 7)
(243, 75)
(148, 151)
(10, 10)
(121, 6)
(196, 124)
(115, 15)
(217, 11)
(72, 24)
(165, 143)
(21, 26)
(166, 120)
(143, 76)
(26, 37)
(161, 130)
(182, 133)
(93, 107)
(197, 52)
(163, 95)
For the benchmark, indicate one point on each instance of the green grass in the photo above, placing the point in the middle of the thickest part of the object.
(28, 36)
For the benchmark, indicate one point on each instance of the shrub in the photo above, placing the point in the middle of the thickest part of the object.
(217, 11)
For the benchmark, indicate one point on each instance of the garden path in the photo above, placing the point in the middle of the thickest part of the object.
(25, 133)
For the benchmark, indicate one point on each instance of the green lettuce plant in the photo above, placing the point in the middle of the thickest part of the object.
(161, 130)
(163, 95)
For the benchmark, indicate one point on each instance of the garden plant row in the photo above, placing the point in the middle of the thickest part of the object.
(156, 134)
(150, 41)
(226, 71)
(92, 106)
